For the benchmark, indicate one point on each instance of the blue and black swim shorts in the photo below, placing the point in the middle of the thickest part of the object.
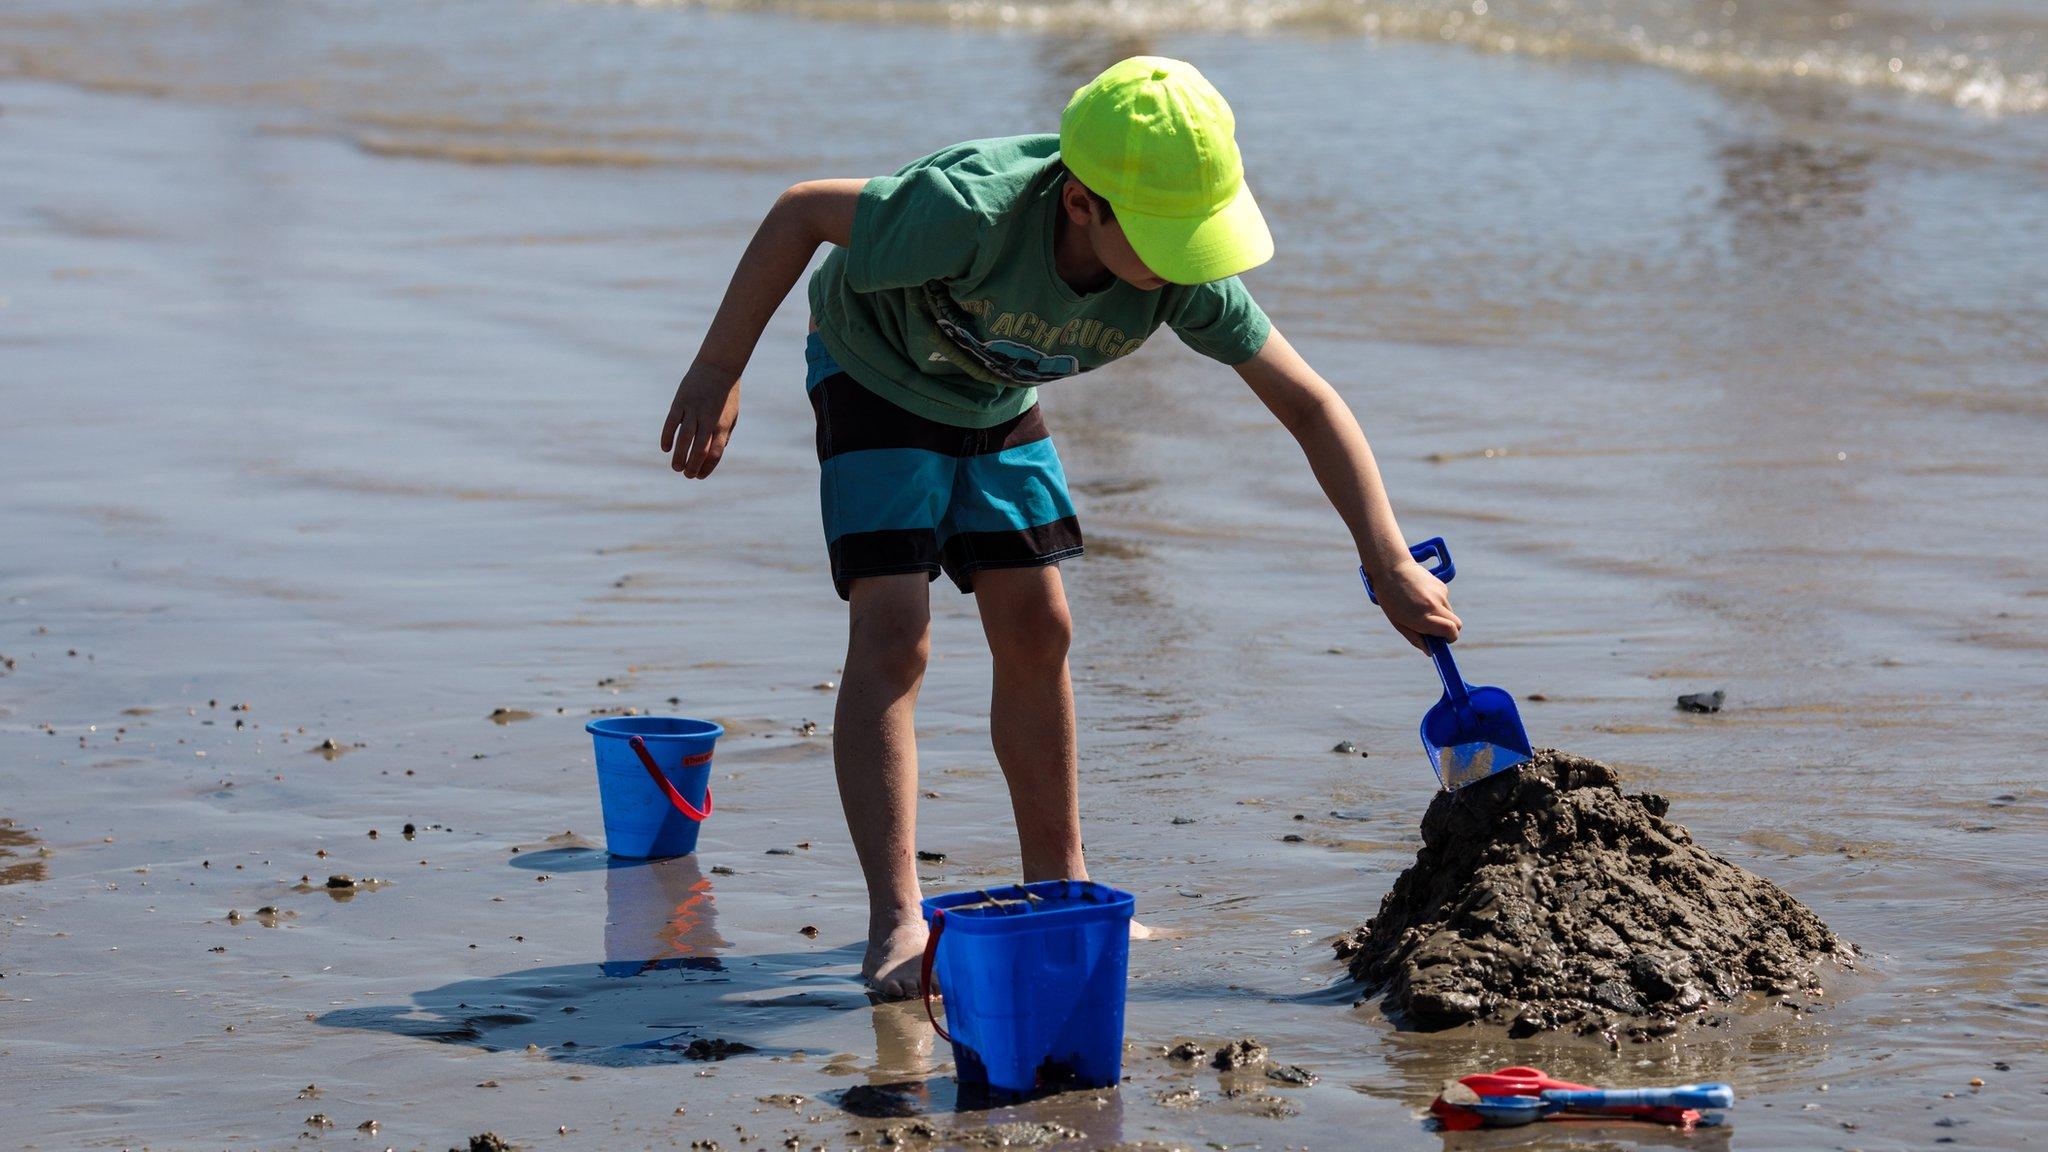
(902, 493)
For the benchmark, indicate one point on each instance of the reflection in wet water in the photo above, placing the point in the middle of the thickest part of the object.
(658, 911)
(1783, 182)
(1067, 62)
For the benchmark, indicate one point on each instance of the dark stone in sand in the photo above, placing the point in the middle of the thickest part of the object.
(1188, 1051)
(880, 1100)
(931, 857)
(1345, 748)
(1545, 898)
(1291, 1074)
(714, 1049)
(1702, 701)
(488, 1142)
(1240, 1054)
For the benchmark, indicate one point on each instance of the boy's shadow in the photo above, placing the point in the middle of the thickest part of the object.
(667, 993)
(663, 994)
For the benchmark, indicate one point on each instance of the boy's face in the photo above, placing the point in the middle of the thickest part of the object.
(1106, 236)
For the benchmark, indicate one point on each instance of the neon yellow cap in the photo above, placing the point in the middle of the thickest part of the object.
(1157, 141)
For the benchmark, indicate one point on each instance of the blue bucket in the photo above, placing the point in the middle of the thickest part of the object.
(654, 779)
(1033, 977)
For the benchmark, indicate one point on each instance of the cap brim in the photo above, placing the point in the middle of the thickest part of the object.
(1199, 249)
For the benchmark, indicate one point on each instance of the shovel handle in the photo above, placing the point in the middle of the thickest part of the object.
(1683, 1096)
(1447, 670)
(1433, 548)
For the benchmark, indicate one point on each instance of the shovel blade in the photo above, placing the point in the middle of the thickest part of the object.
(1468, 743)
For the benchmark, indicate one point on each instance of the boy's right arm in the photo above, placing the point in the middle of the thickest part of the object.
(707, 403)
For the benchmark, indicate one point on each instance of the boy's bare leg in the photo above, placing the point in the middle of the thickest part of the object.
(1031, 714)
(874, 752)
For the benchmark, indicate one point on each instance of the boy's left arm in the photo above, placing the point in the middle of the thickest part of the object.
(1416, 603)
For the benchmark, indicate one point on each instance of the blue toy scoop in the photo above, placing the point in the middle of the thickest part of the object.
(1475, 730)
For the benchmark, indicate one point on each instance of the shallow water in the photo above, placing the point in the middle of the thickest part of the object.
(333, 343)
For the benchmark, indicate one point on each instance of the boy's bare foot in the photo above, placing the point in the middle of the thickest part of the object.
(895, 954)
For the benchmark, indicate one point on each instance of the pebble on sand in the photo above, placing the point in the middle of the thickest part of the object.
(809, 931)
(1702, 702)
(1240, 1054)
(931, 857)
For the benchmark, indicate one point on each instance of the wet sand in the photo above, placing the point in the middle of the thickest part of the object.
(1711, 386)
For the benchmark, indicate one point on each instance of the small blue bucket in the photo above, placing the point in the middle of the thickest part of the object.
(1033, 977)
(654, 780)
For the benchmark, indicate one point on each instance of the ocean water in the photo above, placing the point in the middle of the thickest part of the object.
(334, 343)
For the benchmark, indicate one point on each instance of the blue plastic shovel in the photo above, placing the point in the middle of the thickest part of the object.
(1474, 731)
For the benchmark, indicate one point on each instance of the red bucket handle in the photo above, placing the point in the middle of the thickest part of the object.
(674, 797)
(925, 986)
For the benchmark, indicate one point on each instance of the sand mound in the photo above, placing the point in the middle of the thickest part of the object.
(1544, 898)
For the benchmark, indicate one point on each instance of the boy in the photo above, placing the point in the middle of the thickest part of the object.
(956, 286)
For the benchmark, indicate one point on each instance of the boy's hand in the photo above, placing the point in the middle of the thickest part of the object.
(701, 418)
(1417, 604)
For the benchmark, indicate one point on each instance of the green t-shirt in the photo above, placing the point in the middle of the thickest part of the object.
(947, 302)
